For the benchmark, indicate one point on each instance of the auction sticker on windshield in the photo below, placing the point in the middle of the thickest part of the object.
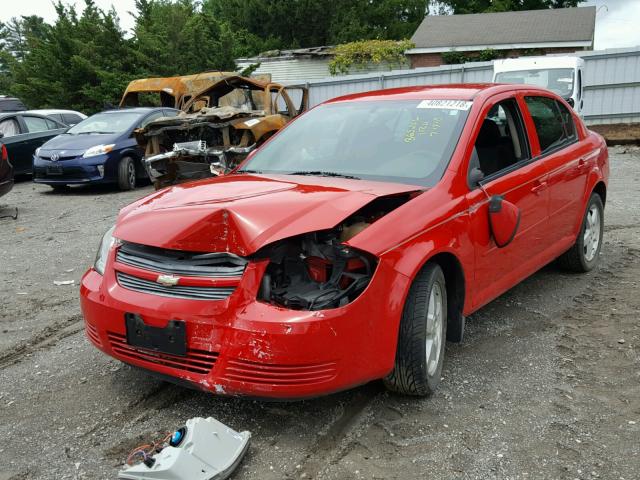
(450, 104)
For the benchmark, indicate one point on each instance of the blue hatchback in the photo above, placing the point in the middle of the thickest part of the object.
(100, 149)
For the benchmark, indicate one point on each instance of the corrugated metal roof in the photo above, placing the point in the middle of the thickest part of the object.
(305, 69)
(530, 26)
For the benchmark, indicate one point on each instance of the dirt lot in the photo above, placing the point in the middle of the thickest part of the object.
(546, 384)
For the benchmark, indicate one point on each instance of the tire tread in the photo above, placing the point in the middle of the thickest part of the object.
(409, 375)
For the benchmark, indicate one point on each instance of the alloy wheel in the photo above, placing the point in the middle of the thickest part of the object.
(591, 236)
(435, 315)
(131, 174)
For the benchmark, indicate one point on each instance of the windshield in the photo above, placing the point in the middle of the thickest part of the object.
(409, 141)
(112, 122)
(558, 80)
(243, 99)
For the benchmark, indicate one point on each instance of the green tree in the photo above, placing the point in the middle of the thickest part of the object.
(480, 6)
(282, 24)
(177, 38)
(81, 62)
(17, 38)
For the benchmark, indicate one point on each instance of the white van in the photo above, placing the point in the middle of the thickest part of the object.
(563, 75)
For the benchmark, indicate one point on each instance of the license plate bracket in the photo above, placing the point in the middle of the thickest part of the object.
(171, 339)
(54, 170)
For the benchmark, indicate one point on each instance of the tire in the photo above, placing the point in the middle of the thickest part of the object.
(126, 174)
(584, 254)
(420, 325)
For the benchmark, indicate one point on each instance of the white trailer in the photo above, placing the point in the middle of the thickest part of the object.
(563, 75)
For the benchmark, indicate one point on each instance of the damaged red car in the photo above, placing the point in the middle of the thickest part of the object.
(352, 244)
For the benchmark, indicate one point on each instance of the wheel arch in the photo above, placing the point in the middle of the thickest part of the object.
(134, 154)
(601, 189)
(456, 291)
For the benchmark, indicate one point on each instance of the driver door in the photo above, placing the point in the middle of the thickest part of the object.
(501, 150)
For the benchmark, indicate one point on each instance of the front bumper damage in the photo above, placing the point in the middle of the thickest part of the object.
(240, 345)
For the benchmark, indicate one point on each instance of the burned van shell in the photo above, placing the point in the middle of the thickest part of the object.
(217, 129)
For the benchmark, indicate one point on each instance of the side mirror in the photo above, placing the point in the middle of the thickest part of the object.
(504, 219)
(475, 177)
(571, 102)
(1, 135)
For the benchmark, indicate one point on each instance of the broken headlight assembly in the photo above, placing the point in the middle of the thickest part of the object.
(315, 271)
(108, 241)
(318, 270)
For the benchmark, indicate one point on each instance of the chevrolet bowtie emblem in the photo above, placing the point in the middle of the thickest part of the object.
(167, 280)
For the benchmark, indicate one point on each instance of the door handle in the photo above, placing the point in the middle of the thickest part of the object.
(539, 188)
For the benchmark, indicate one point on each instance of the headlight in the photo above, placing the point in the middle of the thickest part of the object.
(98, 150)
(38, 151)
(108, 241)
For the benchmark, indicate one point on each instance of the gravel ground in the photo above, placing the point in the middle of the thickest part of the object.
(545, 385)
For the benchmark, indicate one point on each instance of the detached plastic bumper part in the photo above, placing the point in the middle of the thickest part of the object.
(205, 449)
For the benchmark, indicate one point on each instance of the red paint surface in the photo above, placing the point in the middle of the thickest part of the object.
(242, 346)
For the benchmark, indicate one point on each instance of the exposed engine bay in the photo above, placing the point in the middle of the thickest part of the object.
(216, 130)
(318, 270)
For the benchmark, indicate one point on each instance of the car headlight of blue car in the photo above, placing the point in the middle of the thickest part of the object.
(98, 150)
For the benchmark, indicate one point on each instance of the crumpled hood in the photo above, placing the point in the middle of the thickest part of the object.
(242, 213)
(217, 114)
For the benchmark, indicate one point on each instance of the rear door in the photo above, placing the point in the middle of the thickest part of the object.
(10, 129)
(502, 151)
(18, 148)
(568, 159)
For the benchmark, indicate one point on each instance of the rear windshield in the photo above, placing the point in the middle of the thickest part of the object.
(409, 141)
(115, 122)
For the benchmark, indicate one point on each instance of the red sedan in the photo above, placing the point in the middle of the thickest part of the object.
(352, 244)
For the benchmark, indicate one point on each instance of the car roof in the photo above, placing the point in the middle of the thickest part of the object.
(454, 91)
(13, 114)
(140, 110)
(51, 111)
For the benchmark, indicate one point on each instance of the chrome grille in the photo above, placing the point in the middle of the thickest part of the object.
(177, 291)
(219, 265)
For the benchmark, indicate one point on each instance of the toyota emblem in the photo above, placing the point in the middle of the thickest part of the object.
(55, 157)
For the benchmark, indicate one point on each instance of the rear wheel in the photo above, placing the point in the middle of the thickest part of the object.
(126, 174)
(584, 254)
(422, 335)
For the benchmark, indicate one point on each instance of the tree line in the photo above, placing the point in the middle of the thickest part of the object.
(84, 60)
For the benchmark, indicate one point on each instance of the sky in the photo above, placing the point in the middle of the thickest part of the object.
(616, 21)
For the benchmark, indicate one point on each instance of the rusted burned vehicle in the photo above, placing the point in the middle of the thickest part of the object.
(217, 129)
(172, 92)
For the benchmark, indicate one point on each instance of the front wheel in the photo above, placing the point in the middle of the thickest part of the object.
(584, 254)
(422, 335)
(126, 174)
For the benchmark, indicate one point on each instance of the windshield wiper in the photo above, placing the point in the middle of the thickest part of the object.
(92, 133)
(249, 171)
(320, 173)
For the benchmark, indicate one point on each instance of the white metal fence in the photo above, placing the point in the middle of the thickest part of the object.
(611, 83)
